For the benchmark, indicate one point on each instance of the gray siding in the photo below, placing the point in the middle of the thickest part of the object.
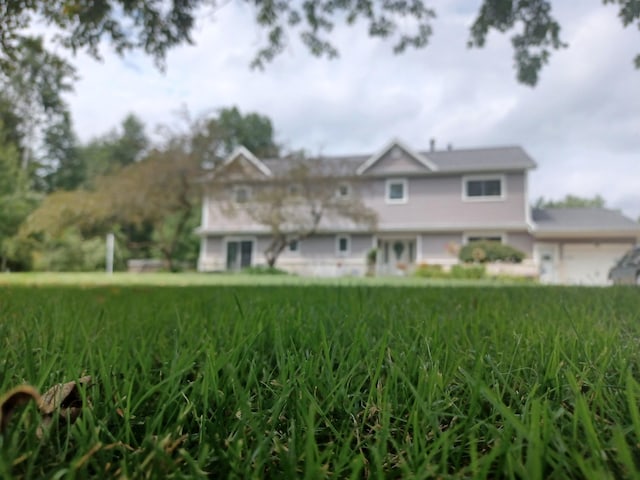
(436, 245)
(437, 202)
(522, 241)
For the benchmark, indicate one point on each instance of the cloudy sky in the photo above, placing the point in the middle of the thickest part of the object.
(581, 123)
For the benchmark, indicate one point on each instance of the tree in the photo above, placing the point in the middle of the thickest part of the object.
(64, 168)
(253, 131)
(155, 27)
(133, 141)
(33, 86)
(571, 201)
(118, 148)
(293, 202)
(151, 202)
(16, 202)
(154, 191)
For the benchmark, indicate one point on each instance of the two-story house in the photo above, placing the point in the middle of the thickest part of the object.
(428, 203)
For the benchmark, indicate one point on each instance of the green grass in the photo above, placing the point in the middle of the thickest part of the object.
(86, 279)
(341, 381)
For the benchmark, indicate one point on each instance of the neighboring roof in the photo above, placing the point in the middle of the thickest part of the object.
(552, 221)
(421, 159)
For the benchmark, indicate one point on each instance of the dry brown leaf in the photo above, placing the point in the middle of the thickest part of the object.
(63, 398)
(13, 400)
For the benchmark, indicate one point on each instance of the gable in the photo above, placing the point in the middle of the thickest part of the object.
(396, 159)
(242, 164)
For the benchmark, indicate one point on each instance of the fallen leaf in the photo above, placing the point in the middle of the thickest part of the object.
(64, 398)
(13, 400)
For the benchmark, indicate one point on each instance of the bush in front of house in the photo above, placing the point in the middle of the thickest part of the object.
(486, 251)
(264, 270)
(468, 272)
(425, 270)
(465, 272)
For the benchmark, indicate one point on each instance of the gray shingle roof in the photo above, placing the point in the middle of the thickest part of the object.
(447, 161)
(582, 219)
(481, 159)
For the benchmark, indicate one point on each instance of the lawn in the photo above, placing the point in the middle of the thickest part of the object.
(347, 380)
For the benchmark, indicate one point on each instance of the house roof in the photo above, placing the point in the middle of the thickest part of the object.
(418, 157)
(444, 161)
(242, 151)
(582, 220)
(481, 159)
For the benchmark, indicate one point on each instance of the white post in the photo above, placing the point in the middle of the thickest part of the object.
(110, 249)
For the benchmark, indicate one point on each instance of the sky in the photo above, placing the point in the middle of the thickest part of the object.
(581, 123)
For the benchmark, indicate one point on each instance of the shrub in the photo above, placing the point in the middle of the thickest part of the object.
(486, 251)
(468, 271)
(264, 270)
(372, 256)
(430, 271)
(70, 252)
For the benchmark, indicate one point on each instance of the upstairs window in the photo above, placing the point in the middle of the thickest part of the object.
(343, 190)
(294, 189)
(294, 246)
(483, 188)
(397, 191)
(241, 194)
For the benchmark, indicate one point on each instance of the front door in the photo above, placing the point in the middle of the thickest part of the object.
(239, 254)
(396, 256)
(547, 264)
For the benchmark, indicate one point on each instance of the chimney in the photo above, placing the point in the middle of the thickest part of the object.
(432, 145)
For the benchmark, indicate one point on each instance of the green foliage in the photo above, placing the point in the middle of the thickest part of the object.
(458, 272)
(341, 382)
(156, 27)
(264, 270)
(182, 249)
(16, 202)
(487, 251)
(372, 256)
(33, 85)
(65, 167)
(540, 33)
(254, 131)
(571, 201)
(105, 155)
(430, 271)
(471, 272)
(70, 252)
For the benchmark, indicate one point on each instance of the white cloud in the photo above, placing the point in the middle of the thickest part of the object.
(580, 123)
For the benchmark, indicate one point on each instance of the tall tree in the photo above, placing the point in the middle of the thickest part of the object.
(293, 202)
(120, 147)
(571, 201)
(16, 201)
(254, 131)
(64, 168)
(34, 84)
(155, 27)
(133, 140)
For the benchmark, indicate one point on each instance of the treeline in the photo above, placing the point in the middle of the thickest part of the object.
(59, 197)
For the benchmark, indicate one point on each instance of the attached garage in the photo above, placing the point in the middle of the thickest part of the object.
(578, 246)
(589, 264)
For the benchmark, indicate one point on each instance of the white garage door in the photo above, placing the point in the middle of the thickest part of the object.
(589, 264)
